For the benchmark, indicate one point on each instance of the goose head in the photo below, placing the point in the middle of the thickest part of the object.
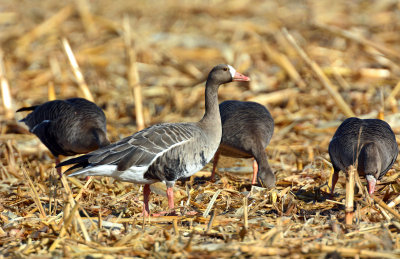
(223, 73)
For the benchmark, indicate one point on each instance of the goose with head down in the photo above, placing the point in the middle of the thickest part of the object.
(68, 127)
(163, 152)
(247, 128)
(370, 144)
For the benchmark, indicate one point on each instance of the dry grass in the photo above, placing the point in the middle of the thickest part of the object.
(343, 58)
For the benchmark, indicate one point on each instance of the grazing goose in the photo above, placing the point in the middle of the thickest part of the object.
(247, 128)
(163, 152)
(69, 127)
(371, 141)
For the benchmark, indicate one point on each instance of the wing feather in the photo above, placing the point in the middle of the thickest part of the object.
(141, 149)
(112, 158)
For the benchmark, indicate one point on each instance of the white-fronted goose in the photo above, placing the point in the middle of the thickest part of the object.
(164, 152)
(247, 128)
(371, 142)
(68, 127)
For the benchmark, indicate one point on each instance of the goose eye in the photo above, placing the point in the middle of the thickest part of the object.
(225, 69)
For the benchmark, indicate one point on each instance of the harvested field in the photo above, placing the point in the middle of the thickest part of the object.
(312, 63)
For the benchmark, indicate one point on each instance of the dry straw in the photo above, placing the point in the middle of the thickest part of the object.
(162, 54)
(5, 88)
(349, 203)
(133, 75)
(321, 76)
(77, 72)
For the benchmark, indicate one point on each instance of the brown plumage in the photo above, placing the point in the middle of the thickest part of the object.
(370, 144)
(68, 127)
(247, 128)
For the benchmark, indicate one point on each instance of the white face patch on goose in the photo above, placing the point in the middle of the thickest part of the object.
(232, 71)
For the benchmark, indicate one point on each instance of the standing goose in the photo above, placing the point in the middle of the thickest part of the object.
(247, 128)
(163, 152)
(69, 127)
(371, 142)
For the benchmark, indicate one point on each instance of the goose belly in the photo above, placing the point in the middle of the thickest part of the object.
(176, 164)
(191, 169)
(195, 162)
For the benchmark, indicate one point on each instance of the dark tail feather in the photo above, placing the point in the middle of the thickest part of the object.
(80, 165)
(81, 160)
(27, 108)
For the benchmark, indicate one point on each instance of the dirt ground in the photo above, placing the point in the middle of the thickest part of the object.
(312, 63)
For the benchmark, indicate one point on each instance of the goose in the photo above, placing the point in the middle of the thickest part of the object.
(247, 128)
(163, 152)
(68, 127)
(368, 143)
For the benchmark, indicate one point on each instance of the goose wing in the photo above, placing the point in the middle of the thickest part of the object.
(389, 150)
(139, 150)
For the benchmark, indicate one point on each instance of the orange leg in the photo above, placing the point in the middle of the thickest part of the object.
(215, 163)
(170, 195)
(333, 178)
(255, 170)
(146, 195)
(58, 168)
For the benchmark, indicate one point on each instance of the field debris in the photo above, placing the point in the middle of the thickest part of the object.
(312, 63)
